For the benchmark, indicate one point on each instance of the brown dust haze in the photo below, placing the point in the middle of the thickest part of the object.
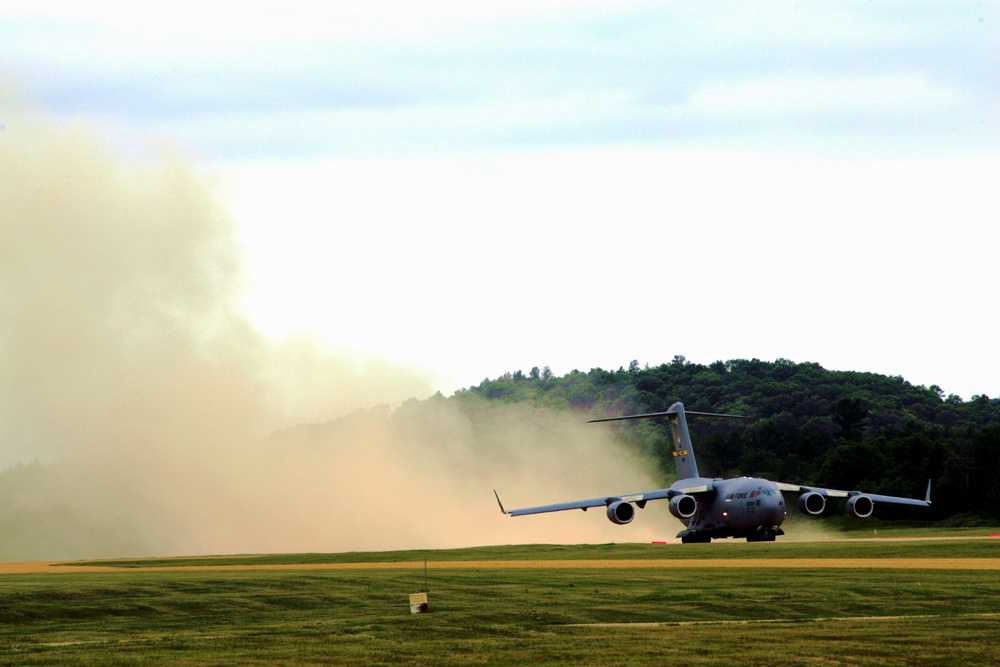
(141, 413)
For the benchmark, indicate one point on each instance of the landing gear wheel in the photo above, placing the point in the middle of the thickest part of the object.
(762, 535)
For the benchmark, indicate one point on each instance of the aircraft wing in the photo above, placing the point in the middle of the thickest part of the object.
(836, 493)
(637, 498)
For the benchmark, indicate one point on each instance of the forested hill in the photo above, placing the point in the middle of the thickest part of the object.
(841, 429)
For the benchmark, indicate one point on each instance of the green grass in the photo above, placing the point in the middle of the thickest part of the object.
(853, 546)
(517, 616)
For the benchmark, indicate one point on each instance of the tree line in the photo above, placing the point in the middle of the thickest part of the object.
(840, 429)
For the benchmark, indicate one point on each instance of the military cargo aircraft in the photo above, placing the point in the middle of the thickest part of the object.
(747, 507)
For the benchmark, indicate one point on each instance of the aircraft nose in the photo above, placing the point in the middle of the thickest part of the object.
(773, 510)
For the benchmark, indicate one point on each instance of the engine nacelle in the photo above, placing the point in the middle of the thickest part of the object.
(812, 503)
(860, 507)
(683, 506)
(621, 512)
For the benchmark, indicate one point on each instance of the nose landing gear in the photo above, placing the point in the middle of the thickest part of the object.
(765, 534)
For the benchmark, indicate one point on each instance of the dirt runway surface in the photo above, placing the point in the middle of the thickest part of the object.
(54, 567)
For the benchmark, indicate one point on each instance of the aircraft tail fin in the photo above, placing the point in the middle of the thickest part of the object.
(687, 465)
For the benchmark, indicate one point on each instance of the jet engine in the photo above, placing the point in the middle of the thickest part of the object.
(621, 512)
(860, 507)
(812, 503)
(683, 506)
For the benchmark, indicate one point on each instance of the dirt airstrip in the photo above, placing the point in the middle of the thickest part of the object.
(71, 567)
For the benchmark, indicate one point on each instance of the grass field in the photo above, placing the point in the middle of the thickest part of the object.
(531, 614)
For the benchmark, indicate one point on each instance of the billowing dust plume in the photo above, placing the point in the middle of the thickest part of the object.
(141, 414)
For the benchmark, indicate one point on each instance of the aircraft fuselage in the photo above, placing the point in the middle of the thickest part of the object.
(747, 507)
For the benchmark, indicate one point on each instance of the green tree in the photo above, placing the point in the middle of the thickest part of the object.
(850, 414)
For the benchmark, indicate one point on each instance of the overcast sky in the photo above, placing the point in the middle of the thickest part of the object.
(482, 187)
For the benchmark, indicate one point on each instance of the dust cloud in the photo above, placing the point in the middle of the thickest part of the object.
(801, 528)
(141, 413)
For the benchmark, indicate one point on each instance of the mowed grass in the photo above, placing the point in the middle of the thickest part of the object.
(854, 544)
(496, 616)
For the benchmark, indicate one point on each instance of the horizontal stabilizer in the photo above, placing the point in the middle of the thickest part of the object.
(668, 413)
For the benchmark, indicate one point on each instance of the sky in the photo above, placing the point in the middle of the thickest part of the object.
(475, 188)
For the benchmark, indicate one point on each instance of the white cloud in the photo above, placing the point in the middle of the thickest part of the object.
(824, 96)
(474, 265)
(288, 79)
(229, 23)
(522, 183)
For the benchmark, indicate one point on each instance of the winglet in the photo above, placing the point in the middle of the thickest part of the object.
(927, 498)
(500, 503)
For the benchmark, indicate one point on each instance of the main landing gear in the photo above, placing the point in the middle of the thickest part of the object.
(691, 537)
